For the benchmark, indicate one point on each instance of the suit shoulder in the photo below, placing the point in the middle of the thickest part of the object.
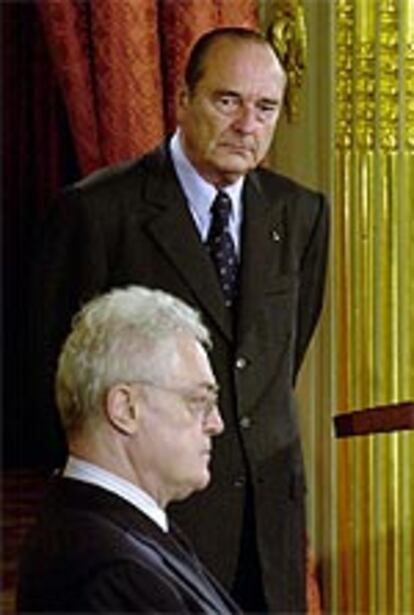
(275, 183)
(108, 174)
(118, 178)
(80, 556)
(66, 530)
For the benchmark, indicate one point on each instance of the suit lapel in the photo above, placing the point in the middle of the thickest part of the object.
(163, 551)
(173, 229)
(261, 244)
(159, 548)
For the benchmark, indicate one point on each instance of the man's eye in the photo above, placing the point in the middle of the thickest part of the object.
(202, 407)
(226, 104)
(197, 405)
(266, 108)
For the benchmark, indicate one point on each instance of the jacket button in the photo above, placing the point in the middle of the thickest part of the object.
(239, 482)
(275, 236)
(241, 363)
(245, 422)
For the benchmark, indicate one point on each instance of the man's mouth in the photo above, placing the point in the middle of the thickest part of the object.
(240, 149)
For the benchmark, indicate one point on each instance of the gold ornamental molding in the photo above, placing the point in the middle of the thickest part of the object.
(389, 81)
(408, 69)
(344, 72)
(375, 75)
(287, 35)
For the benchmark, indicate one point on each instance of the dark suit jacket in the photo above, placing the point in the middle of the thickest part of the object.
(92, 551)
(131, 224)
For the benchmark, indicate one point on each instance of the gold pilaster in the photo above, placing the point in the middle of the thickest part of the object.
(355, 139)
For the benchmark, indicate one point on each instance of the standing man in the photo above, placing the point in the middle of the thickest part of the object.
(199, 218)
(138, 402)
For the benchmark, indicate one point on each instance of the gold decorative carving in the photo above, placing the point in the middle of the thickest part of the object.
(344, 73)
(409, 89)
(389, 85)
(408, 71)
(287, 35)
(370, 107)
(365, 94)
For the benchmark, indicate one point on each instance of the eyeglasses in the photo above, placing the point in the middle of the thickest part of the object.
(199, 406)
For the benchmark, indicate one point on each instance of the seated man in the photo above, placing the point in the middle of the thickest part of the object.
(138, 402)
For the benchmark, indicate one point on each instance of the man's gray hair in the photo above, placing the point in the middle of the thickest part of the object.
(121, 336)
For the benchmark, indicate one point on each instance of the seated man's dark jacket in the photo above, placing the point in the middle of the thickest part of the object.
(92, 551)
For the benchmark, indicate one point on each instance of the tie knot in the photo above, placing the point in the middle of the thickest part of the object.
(222, 206)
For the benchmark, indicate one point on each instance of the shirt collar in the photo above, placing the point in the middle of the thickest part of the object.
(200, 193)
(90, 473)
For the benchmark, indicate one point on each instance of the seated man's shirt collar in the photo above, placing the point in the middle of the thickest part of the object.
(90, 473)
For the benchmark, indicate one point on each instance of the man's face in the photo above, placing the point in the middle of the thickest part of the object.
(178, 419)
(227, 123)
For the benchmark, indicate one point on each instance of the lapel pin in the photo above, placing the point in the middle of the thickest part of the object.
(275, 235)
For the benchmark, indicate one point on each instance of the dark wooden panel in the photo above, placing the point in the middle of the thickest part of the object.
(394, 417)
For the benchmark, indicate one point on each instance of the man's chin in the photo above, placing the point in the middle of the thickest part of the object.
(231, 170)
(204, 481)
(198, 485)
(237, 162)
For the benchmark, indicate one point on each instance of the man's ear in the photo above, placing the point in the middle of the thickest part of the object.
(122, 408)
(183, 98)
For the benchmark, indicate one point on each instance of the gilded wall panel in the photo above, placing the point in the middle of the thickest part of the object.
(354, 138)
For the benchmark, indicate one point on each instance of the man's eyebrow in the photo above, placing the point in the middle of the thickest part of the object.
(232, 93)
(269, 101)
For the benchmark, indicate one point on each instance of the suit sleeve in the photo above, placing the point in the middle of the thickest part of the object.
(69, 266)
(312, 280)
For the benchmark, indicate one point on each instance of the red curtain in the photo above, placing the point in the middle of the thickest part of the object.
(118, 65)
(106, 58)
(37, 158)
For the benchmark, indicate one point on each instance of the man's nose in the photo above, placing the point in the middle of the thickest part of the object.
(246, 119)
(215, 423)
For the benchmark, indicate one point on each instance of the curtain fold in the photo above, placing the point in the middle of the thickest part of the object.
(125, 57)
(66, 29)
(37, 159)
(107, 61)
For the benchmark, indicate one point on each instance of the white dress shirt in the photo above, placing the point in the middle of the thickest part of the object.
(90, 473)
(200, 194)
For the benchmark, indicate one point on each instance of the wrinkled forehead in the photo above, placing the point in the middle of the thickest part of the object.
(232, 54)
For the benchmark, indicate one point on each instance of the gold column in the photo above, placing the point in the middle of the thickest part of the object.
(355, 140)
(374, 216)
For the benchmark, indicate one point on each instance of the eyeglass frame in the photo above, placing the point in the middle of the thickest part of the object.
(186, 394)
